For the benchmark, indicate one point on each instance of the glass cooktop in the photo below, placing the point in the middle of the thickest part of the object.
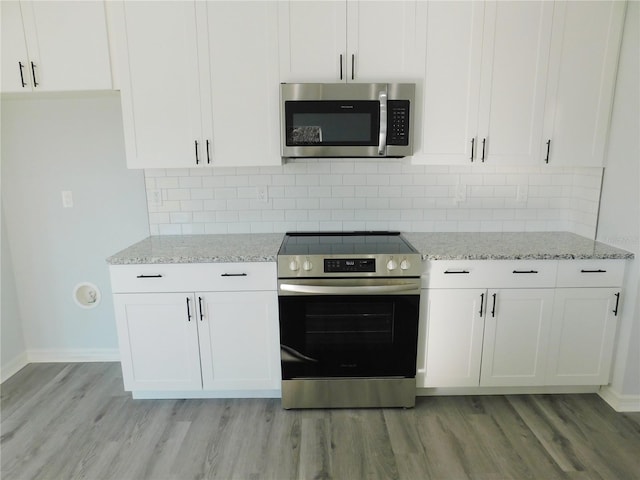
(340, 243)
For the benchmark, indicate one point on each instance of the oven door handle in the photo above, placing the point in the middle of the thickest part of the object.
(347, 290)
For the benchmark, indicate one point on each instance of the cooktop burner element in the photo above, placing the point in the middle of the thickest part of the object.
(347, 254)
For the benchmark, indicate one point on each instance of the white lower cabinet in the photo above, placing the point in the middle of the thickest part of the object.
(239, 347)
(158, 341)
(516, 335)
(192, 341)
(582, 336)
(450, 346)
(492, 323)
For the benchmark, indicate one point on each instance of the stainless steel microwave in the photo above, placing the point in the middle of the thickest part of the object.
(346, 119)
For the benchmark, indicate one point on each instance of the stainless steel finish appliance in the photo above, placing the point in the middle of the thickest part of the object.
(348, 311)
(346, 119)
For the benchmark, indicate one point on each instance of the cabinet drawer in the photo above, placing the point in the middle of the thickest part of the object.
(193, 277)
(490, 274)
(456, 274)
(590, 273)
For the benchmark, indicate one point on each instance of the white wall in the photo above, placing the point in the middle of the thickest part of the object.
(13, 355)
(619, 222)
(69, 142)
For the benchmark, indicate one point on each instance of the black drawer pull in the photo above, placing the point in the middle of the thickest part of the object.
(593, 271)
(615, 310)
(454, 272)
(149, 276)
(233, 275)
(481, 304)
(525, 271)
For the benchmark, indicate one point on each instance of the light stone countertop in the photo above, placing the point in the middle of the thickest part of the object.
(511, 246)
(263, 247)
(223, 248)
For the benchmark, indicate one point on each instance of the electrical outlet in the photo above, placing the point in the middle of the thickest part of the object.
(155, 198)
(461, 193)
(263, 195)
(522, 193)
(67, 199)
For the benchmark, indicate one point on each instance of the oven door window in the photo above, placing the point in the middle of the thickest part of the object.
(348, 336)
(332, 123)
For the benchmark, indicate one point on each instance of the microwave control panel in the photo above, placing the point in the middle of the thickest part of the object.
(398, 122)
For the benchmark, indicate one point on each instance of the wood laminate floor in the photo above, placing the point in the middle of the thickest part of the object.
(68, 421)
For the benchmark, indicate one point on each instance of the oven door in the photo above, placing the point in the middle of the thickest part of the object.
(337, 328)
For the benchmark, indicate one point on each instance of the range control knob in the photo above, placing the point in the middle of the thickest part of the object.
(307, 265)
(294, 266)
(405, 265)
(392, 264)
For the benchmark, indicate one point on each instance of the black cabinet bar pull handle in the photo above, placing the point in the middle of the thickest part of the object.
(615, 310)
(21, 66)
(233, 275)
(208, 156)
(200, 307)
(33, 71)
(593, 271)
(353, 66)
(188, 310)
(453, 272)
(197, 159)
(340, 66)
(525, 271)
(481, 304)
(493, 309)
(484, 143)
(149, 276)
(546, 160)
(473, 148)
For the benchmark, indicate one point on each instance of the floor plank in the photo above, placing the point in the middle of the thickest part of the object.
(74, 421)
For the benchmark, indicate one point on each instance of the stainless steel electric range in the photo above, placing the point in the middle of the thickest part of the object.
(348, 309)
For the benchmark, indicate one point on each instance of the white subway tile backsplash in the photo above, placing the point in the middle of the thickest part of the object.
(361, 194)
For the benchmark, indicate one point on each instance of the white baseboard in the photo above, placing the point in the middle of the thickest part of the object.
(13, 366)
(619, 402)
(73, 355)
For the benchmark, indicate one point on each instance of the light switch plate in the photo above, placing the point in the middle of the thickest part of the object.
(67, 199)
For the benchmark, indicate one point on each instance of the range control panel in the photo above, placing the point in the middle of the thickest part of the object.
(342, 265)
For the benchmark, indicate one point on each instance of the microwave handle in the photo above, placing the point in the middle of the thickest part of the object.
(382, 139)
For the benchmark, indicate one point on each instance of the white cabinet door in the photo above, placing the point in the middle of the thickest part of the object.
(312, 41)
(516, 337)
(450, 337)
(515, 58)
(62, 46)
(582, 73)
(451, 82)
(243, 53)
(16, 69)
(239, 340)
(158, 337)
(582, 336)
(351, 41)
(159, 69)
(385, 41)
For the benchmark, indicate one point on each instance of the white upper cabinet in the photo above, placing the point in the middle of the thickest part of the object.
(451, 82)
(54, 46)
(582, 73)
(199, 83)
(351, 41)
(485, 77)
(312, 37)
(516, 43)
(243, 78)
(161, 107)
